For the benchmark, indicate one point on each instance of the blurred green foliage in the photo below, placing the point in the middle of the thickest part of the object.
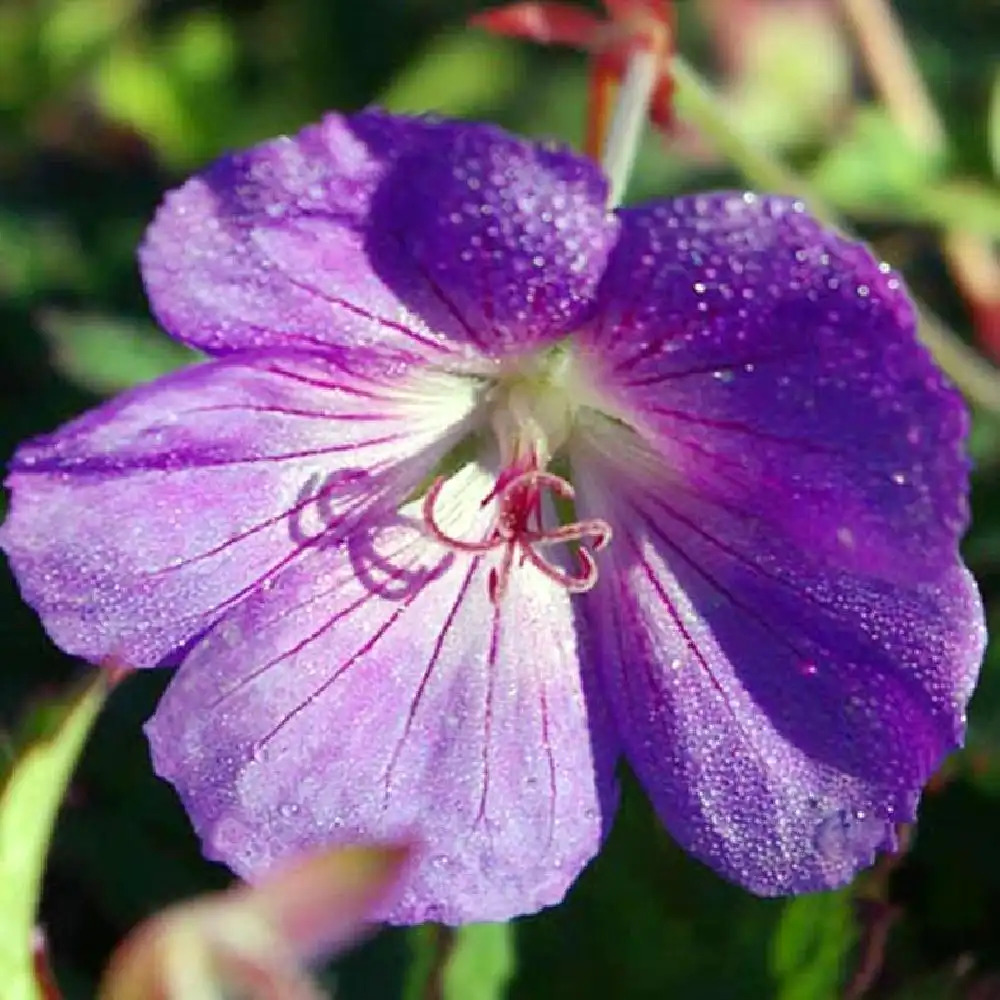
(106, 103)
(49, 742)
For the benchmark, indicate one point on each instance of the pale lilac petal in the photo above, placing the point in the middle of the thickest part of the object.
(136, 526)
(776, 366)
(379, 695)
(377, 234)
(782, 710)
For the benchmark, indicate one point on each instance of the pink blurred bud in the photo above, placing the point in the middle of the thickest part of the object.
(256, 939)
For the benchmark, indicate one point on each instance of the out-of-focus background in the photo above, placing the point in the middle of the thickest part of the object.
(104, 104)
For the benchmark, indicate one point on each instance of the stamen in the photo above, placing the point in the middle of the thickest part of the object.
(518, 526)
(440, 535)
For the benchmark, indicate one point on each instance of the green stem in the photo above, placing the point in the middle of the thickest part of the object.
(32, 787)
(699, 104)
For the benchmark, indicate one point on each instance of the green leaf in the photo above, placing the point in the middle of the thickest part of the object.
(203, 51)
(457, 75)
(32, 789)
(133, 86)
(426, 943)
(795, 74)
(873, 161)
(37, 253)
(994, 124)
(475, 962)
(480, 964)
(811, 946)
(957, 205)
(107, 354)
(75, 30)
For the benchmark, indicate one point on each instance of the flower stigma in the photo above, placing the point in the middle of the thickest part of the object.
(532, 414)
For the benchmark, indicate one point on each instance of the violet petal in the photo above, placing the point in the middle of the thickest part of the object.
(375, 234)
(775, 364)
(376, 693)
(782, 707)
(137, 525)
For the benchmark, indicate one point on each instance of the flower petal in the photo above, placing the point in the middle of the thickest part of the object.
(383, 697)
(547, 23)
(782, 711)
(136, 526)
(776, 366)
(375, 233)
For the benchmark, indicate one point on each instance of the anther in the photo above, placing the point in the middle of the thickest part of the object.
(518, 526)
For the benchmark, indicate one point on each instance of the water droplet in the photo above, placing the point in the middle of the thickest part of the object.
(845, 836)
(833, 835)
(846, 537)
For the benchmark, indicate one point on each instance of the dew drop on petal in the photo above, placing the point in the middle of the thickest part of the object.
(846, 537)
(833, 835)
(847, 834)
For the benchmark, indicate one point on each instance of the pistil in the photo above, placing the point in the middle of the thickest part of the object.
(519, 531)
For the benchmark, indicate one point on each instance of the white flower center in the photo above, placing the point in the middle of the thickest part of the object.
(533, 408)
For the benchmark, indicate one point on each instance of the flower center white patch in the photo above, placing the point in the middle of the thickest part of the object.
(531, 408)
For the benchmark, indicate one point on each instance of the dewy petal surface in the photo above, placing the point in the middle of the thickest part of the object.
(775, 364)
(782, 713)
(788, 637)
(137, 525)
(379, 694)
(374, 234)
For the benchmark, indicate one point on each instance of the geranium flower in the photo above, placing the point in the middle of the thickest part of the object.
(485, 487)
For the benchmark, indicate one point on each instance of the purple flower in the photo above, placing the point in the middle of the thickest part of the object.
(485, 487)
